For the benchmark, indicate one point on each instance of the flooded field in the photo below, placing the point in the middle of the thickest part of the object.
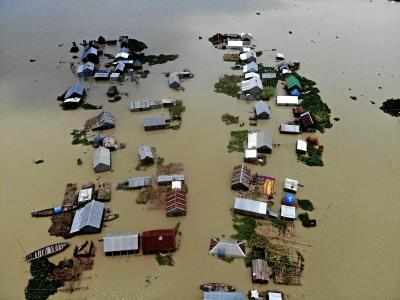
(342, 45)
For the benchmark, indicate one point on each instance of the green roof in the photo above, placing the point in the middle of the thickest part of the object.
(292, 82)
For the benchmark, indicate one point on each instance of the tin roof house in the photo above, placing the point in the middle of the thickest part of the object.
(219, 295)
(262, 110)
(156, 241)
(248, 56)
(86, 70)
(176, 203)
(88, 219)
(259, 271)
(123, 244)
(155, 123)
(73, 97)
(241, 178)
(251, 89)
(174, 82)
(227, 248)
(250, 207)
(104, 120)
(102, 160)
(260, 140)
(250, 67)
(146, 155)
(90, 54)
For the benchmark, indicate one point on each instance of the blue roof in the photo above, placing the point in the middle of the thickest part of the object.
(223, 296)
(76, 90)
(295, 92)
(289, 199)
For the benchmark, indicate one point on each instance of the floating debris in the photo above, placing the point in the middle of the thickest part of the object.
(112, 91)
(305, 204)
(74, 48)
(39, 161)
(306, 221)
(354, 98)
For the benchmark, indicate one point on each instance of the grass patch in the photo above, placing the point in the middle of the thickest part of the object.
(313, 157)
(177, 110)
(305, 204)
(228, 85)
(245, 228)
(79, 137)
(230, 119)
(238, 138)
(312, 102)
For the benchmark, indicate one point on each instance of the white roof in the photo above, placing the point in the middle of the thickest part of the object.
(288, 211)
(102, 156)
(257, 139)
(275, 296)
(89, 215)
(291, 184)
(250, 67)
(251, 206)
(247, 54)
(301, 145)
(250, 153)
(116, 243)
(124, 55)
(286, 71)
(289, 128)
(280, 55)
(85, 195)
(254, 294)
(232, 43)
(176, 185)
(228, 248)
(251, 75)
(287, 100)
(251, 83)
(72, 100)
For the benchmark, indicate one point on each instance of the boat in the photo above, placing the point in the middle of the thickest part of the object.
(215, 286)
(51, 211)
(46, 251)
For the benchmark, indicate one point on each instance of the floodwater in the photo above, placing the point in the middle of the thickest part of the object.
(353, 253)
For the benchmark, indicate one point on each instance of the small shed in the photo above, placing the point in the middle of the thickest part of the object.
(241, 178)
(219, 295)
(301, 146)
(86, 70)
(289, 128)
(176, 203)
(228, 248)
(260, 140)
(279, 56)
(250, 67)
(90, 54)
(119, 68)
(287, 100)
(122, 55)
(156, 241)
(250, 155)
(121, 244)
(104, 120)
(145, 154)
(88, 219)
(275, 295)
(262, 110)
(102, 160)
(174, 82)
(139, 182)
(259, 271)
(250, 207)
(155, 123)
(291, 185)
(268, 75)
(288, 212)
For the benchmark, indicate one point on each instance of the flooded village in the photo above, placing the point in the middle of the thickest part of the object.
(222, 154)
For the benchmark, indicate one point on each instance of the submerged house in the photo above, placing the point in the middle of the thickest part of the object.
(250, 67)
(291, 185)
(124, 244)
(88, 219)
(251, 75)
(241, 178)
(289, 128)
(85, 194)
(169, 179)
(176, 203)
(262, 110)
(227, 248)
(104, 120)
(101, 75)
(293, 85)
(155, 123)
(90, 54)
(287, 100)
(250, 207)
(156, 241)
(248, 56)
(146, 155)
(259, 140)
(288, 212)
(102, 160)
(86, 70)
(134, 183)
(235, 44)
(275, 295)
(220, 295)
(174, 82)
(260, 271)
(73, 97)
(251, 88)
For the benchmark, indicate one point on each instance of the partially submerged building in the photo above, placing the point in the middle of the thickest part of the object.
(134, 183)
(90, 54)
(88, 219)
(275, 295)
(250, 67)
(250, 207)
(174, 82)
(158, 241)
(104, 120)
(123, 244)
(74, 96)
(146, 155)
(155, 123)
(101, 75)
(86, 70)
(85, 194)
(260, 140)
(289, 128)
(287, 100)
(260, 271)
(248, 56)
(219, 295)
(102, 160)
(176, 203)
(306, 121)
(241, 178)
(291, 185)
(262, 110)
(251, 89)
(227, 248)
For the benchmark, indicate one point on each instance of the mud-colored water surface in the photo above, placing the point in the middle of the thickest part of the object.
(353, 252)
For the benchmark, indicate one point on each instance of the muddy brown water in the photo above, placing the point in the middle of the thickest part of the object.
(341, 45)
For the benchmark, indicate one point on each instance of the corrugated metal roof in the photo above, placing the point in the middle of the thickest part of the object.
(288, 212)
(251, 206)
(234, 44)
(292, 82)
(76, 90)
(102, 156)
(247, 55)
(137, 182)
(228, 248)
(90, 50)
(287, 100)
(275, 296)
(261, 107)
(223, 296)
(289, 128)
(117, 243)
(173, 79)
(250, 67)
(170, 178)
(251, 75)
(251, 83)
(89, 215)
(259, 139)
(145, 152)
(155, 121)
(88, 66)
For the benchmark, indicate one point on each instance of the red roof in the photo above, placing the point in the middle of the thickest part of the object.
(155, 241)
